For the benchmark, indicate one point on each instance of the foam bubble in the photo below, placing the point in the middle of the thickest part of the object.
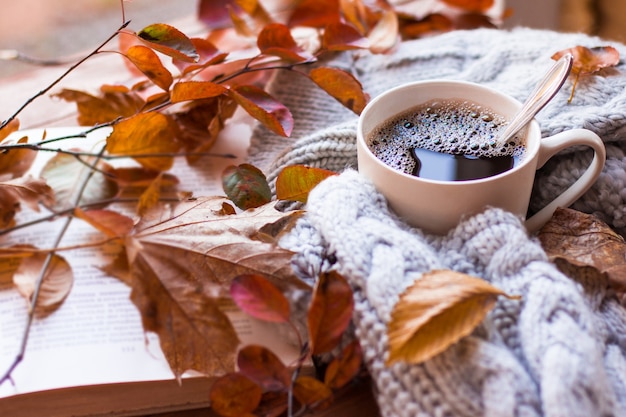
(448, 126)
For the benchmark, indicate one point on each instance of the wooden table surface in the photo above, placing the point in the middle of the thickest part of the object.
(46, 112)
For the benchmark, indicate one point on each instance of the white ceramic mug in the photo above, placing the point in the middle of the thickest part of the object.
(437, 206)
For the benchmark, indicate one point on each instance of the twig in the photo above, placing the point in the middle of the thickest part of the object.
(42, 274)
(65, 74)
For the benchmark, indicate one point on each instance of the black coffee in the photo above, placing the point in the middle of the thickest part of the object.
(448, 140)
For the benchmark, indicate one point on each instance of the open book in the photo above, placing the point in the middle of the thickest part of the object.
(91, 357)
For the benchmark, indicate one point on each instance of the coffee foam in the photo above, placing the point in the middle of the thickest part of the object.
(447, 126)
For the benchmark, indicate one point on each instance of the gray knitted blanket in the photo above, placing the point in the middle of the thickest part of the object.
(561, 349)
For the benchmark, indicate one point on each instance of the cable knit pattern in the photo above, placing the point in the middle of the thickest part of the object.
(509, 61)
(560, 350)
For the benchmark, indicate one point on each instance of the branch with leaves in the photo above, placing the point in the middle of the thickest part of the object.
(184, 91)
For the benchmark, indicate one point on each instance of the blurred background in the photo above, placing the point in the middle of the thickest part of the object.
(57, 28)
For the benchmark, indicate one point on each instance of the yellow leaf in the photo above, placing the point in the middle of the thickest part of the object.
(438, 310)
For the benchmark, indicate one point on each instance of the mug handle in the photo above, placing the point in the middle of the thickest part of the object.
(549, 147)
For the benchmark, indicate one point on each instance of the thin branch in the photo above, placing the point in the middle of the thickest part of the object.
(42, 274)
(65, 74)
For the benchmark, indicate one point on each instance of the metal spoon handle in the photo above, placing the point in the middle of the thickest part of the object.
(540, 96)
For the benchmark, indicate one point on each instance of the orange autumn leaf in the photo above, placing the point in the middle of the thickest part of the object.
(150, 196)
(312, 392)
(148, 62)
(260, 298)
(149, 138)
(111, 223)
(263, 367)
(330, 312)
(296, 181)
(17, 161)
(235, 395)
(56, 285)
(315, 13)
(11, 127)
(342, 86)
(478, 6)
(264, 108)
(112, 104)
(435, 312)
(195, 90)
(343, 369)
(588, 61)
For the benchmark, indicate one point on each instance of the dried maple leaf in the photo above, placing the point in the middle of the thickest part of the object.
(436, 311)
(183, 258)
(589, 60)
(582, 240)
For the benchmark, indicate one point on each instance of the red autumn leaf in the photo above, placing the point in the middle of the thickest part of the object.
(315, 13)
(264, 108)
(344, 368)
(147, 137)
(312, 392)
(208, 55)
(342, 37)
(342, 86)
(330, 312)
(147, 61)
(246, 186)
(169, 41)
(196, 90)
(261, 299)
(296, 181)
(234, 395)
(275, 39)
(215, 13)
(200, 123)
(111, 223)
(479, 6)
(262, 366)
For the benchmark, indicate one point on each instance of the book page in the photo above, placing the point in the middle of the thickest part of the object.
(96, 336)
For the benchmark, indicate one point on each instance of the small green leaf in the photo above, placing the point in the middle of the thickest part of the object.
(246, 186)
(169, 41)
